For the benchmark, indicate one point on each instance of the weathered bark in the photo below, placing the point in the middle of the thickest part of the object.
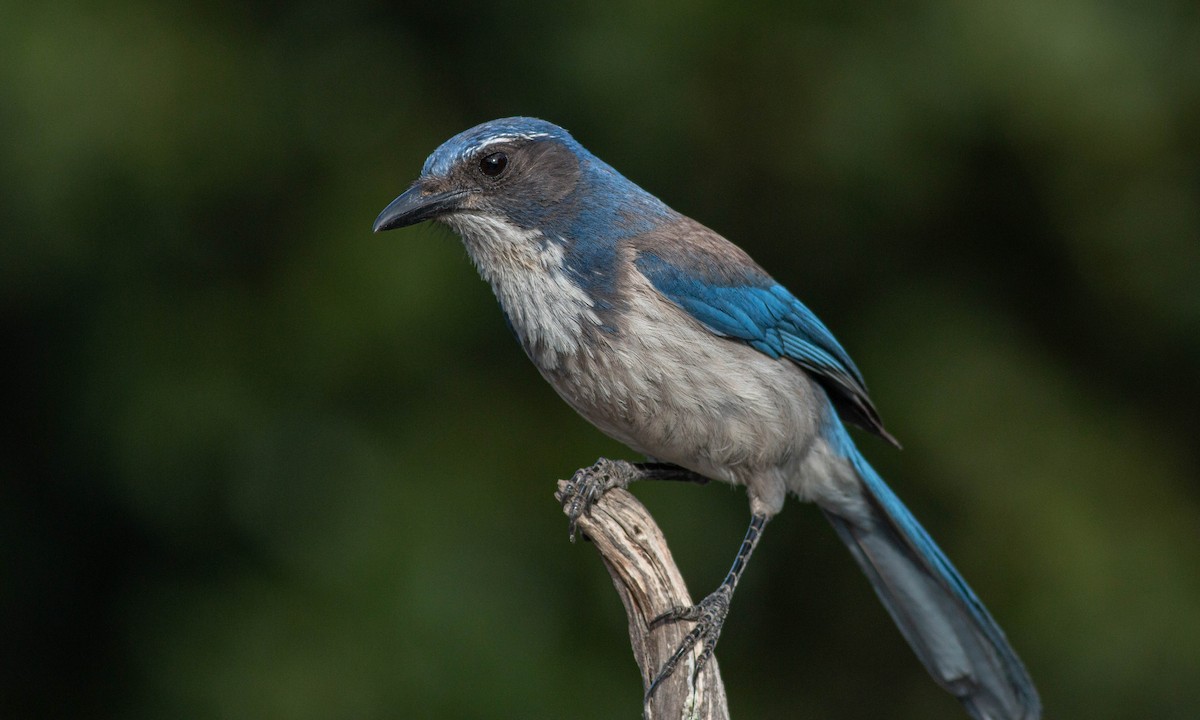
(636, 555)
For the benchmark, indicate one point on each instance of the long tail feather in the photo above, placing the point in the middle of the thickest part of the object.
(945, 623)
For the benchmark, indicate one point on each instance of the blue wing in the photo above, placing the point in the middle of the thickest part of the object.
(742, 302)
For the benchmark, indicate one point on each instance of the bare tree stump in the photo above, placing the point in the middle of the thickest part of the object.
(636, 555)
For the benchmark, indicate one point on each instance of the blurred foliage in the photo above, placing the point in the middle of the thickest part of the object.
(262, 464)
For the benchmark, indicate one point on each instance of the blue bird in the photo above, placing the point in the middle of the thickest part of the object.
(672, 340)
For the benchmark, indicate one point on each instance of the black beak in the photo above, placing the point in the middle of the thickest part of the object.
(415, 205)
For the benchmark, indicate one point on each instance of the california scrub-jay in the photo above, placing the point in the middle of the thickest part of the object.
(672, 340)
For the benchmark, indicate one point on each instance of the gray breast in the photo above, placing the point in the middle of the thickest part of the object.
(669, 388)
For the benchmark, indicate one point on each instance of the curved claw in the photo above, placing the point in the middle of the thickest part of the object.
(589, 484)
(675, 614)
(689, 641)
(709, 616)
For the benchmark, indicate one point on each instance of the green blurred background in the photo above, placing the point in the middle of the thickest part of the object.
(260, 463)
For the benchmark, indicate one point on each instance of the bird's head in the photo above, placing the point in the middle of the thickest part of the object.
(512, 169)
(525, 173)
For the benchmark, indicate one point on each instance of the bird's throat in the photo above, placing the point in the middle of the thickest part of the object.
(547, 309)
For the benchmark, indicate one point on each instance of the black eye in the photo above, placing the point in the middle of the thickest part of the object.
(494, 164)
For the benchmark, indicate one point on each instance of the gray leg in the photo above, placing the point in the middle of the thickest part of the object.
(709, 614)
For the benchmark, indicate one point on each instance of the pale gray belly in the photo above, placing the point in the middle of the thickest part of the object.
(670, 389)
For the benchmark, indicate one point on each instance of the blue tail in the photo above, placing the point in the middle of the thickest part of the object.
(945, 623)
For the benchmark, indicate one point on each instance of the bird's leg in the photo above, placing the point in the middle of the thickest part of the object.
(588, 484)
(709, 614)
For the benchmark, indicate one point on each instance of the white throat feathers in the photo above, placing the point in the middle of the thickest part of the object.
(546, 308)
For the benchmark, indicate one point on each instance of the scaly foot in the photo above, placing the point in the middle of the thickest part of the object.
(588, 484)
(709, 616)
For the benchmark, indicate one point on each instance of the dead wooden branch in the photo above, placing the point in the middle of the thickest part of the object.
(636, 555)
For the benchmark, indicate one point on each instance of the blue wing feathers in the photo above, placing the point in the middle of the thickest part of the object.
(738, 300)
(757, 310)
(712, 317)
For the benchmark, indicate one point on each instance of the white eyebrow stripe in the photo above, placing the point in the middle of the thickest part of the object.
(509, 138)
